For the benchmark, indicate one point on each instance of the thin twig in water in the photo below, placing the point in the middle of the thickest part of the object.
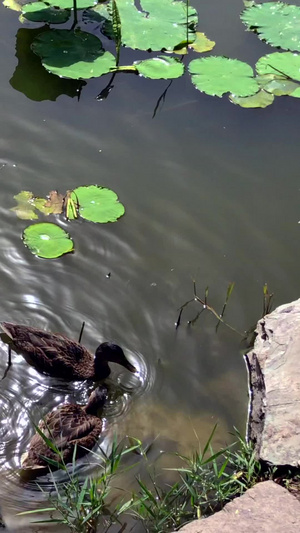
(81, 332)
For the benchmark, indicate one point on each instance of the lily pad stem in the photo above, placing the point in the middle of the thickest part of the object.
(129, 68)
(75, 21)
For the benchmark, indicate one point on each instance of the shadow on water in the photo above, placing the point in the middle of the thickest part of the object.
(32, 79)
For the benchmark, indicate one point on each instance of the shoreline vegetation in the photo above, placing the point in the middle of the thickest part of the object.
(206, 481)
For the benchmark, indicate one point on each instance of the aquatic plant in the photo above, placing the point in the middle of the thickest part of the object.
(91, 202)
(168, 26)
(207, 480)
(47, 240)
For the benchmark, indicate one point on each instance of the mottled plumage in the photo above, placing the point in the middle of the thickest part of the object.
(59, 356)
(66, 426)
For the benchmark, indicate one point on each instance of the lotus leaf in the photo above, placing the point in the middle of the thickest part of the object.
(98, 204)
(260, 99)
(47, 240)
(68, 4)
(73, 54)
(276, 23)
(41, 12)
(25, 208)
(278, 85)
(27, 203)
(161, 67)
(202, 43)
(280, 64)
(159, 25)
(15, 5)
(218, 75)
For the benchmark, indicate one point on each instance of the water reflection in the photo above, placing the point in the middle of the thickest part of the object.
(32, 79)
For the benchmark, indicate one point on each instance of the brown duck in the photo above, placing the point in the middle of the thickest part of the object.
(67, 426)
(58, 356)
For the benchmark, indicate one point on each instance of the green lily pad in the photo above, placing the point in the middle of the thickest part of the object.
(73, 54)
(68, 4)
(276, 23)
(280, 64)
(158, 25)
(42, 12)
(47, 240)
(161, 67)
(260, 99)
(218, 75)
(98, 204)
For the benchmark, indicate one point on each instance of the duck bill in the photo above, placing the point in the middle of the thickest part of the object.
(129, 366)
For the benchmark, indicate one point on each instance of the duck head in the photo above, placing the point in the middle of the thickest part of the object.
(108, 352)
(96, 400)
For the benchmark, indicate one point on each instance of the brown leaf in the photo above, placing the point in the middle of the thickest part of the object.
(55, 202)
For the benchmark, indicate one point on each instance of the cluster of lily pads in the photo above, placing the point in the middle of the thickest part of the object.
(48, 240)
(169, 26)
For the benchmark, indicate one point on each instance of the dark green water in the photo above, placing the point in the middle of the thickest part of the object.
(211, 191)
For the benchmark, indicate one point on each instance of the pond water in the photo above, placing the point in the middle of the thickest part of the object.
(211, 192)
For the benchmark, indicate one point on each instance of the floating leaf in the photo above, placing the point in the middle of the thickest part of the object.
(280, 64)
(25, 208)
(15, 5)
(73, 55)
(161, 67)
(100, 13)
(219, 75)
(98, 204)
(68, 4)
(42, 12)
(276, 23)
(47, 240)
(158, 25)
(55, 202)
(202, 43)
(278, 85)
(260, 99)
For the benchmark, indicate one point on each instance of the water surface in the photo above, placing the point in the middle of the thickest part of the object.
(211, 191)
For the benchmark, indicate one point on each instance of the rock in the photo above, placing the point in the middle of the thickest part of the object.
(274, 381)
(267, 508)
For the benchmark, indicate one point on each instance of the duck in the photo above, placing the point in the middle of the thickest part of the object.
(73, 429)
(58, 356)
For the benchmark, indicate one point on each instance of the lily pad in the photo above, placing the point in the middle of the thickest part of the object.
(98, 204)
(278, 85)
(260, 99)
(157, 25)
(42, 12)
(280, 64)
(73, 54)
(202, 43)
(15, 5)
(161, 67)
(218, 75)
(25, 208)
(68, 4)
(27, 204)
(276, 23)
(47, 240)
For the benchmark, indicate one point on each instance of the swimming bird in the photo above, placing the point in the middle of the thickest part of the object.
(58, 356)
(67, 426)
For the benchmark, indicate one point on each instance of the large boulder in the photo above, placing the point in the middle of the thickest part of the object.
(267, 508)
(274, 382)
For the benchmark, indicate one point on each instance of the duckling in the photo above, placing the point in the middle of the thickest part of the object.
(58, 356)
(67, 426)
